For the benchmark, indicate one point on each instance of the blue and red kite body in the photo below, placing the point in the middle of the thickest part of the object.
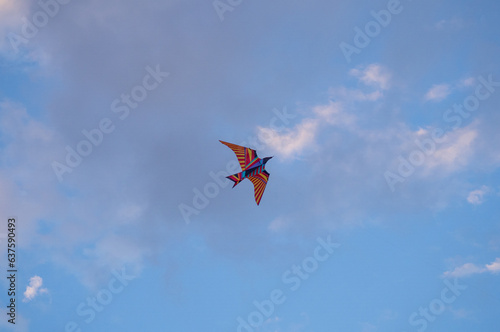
(252, 168)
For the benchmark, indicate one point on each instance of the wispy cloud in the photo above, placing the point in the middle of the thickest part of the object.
(34, 288)
(494, 267)
(374, 75)
(476, 197)
(290, 142)
(438, 92)
(456, 152)
(469, 269)
(334, 114)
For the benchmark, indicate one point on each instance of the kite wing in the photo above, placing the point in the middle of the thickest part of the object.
(246, 156)
(259, 183)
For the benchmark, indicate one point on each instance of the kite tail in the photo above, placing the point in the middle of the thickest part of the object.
(236, 178)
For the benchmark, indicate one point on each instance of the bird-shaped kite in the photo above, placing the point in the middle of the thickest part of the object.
(252, 167)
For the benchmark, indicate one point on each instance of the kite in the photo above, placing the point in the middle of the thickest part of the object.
(252, 168)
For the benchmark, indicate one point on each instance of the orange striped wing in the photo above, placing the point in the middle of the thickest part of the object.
(246, 156)
(259, 184)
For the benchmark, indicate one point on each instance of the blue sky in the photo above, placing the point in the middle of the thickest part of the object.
(381, 212)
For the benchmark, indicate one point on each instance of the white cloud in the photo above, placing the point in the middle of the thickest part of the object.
(334, 115)
(456, 152)
(34, 288)
(465, 270)
(439, 158)
(469, 269)
(476, 197)
(450, 154)
(494, 267)
(374, 74)
(438, 92)
(290, 142)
